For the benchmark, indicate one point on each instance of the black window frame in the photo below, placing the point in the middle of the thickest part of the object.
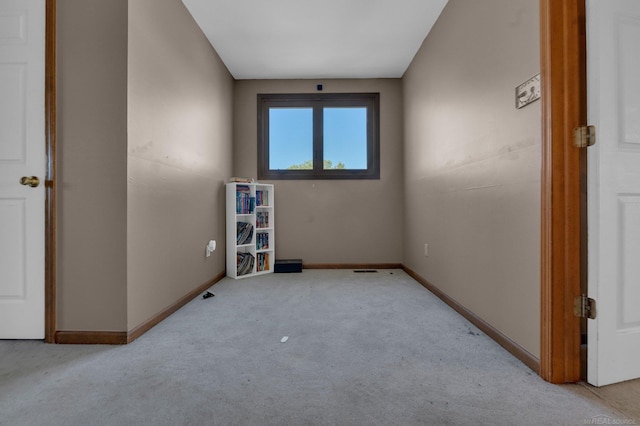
(318, 101)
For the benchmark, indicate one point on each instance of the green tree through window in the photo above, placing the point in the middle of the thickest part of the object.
(308, 165)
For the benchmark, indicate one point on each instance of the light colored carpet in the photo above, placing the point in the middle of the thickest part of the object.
(363, 349)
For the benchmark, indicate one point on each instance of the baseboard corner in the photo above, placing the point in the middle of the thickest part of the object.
(140, 329)
(71, 337)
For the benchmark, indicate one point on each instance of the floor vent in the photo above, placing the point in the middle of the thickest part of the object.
(365, 270)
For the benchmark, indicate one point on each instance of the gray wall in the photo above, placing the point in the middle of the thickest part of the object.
(144, 146)
(92, 164)
(179, 156)
(472, 163)
(331, 221)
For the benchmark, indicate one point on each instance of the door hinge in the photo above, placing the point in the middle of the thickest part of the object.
(584, 307)
(584, 136)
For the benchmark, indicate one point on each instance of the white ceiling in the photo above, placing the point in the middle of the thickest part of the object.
(266, 39)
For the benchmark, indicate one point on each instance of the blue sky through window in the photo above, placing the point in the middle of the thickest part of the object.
(291, 137)
(345, 137)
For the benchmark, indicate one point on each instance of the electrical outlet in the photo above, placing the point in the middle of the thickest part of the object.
(426, 250)
(211, 246)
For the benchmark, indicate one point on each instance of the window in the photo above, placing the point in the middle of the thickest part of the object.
(318, 136)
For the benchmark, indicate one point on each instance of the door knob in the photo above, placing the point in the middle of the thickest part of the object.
(31, 181)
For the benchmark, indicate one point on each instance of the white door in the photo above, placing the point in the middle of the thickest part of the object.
(22, 153)
(613, 75)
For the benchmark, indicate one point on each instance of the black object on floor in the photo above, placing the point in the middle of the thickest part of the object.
(287, 265)
(207, 295)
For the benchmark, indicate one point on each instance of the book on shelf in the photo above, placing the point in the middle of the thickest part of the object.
(262, 219)
(244, 233)
(245, 203)
(262, 262)
(238, 179)
(262, 240)
(262, 197)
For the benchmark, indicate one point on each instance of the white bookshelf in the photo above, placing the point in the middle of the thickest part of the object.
(251, 204)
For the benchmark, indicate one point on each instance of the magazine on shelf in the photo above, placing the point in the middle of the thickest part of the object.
(244, 233)
(245, 263)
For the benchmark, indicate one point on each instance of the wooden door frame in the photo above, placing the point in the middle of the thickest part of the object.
(50, 311)
(563, 190)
